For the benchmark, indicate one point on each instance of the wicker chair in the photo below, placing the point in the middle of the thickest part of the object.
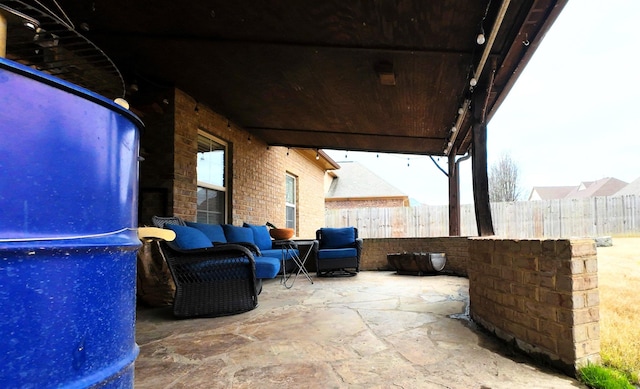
(160, 221)
(213, 281)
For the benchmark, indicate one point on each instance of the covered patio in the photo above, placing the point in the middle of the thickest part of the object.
(380, 330)
(403, 77)
(408, 77)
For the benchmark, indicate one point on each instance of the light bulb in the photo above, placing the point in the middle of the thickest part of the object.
(480, 39)
(121, 102)
(454, 129)
(460, 111)
(473, 82)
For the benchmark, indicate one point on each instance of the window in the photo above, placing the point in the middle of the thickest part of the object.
(212, 179)
(290, 202)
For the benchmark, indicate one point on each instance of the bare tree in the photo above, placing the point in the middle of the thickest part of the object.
(504, 185)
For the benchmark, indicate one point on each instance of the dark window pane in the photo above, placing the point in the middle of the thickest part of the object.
(210, 206)
(211, 170)
(291, 217)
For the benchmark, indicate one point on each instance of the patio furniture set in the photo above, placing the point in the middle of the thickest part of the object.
(218, 268)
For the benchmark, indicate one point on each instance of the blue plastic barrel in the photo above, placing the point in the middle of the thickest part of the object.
(68, 219)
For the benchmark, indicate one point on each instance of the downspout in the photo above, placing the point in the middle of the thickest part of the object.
(464, 158)
(454, 194)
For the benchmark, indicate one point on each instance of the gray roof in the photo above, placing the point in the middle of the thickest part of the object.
(551, 192)
(353, 180)
(603, 187)
(632, 189)
(607, 186)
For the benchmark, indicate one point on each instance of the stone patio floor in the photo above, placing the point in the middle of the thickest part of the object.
(375, 330)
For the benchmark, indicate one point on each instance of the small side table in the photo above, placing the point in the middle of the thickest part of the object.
(290, 249)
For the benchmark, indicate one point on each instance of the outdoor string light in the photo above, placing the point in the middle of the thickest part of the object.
(480, 38)
(475, 74)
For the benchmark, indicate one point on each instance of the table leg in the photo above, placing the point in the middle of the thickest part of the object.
(299, 263)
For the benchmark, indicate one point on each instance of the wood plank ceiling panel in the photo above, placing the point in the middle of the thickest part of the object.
(304, 74)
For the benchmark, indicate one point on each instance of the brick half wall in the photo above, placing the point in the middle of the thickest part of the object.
(374, 251)
(540, 295)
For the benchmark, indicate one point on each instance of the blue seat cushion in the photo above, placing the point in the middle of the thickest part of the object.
(278, 253)
(335, 238)
(267, 267)
(337, 253)
(261, 236)
(236, 234)
(188, 238)
(214, 232)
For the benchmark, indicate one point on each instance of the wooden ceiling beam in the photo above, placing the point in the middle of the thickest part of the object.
(348, 141)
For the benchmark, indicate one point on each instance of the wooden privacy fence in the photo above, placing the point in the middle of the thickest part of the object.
(587, 217)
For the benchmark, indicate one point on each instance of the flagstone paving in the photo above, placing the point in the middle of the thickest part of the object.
(375, 330)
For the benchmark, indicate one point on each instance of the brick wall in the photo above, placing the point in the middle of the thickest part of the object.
(310, 193)
(540, 295)
(374, 251)
(185, 142)
(367, 203)
(156, 170)
(257, 171)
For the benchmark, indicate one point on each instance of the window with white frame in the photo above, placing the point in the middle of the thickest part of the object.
(290, 202)
(212, 179)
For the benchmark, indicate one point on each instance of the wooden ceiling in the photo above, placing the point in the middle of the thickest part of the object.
(308, 73)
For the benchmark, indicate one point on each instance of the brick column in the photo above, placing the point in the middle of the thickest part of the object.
(540, 295)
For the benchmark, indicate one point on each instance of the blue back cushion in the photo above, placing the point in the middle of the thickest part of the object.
(335, 238)
(213, 231)
(188, 238)
(261, 236)
(237, 234)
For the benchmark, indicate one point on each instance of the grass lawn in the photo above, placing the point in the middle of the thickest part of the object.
(619, 283)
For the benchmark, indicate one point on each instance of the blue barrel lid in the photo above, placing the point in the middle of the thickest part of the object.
(69, 87)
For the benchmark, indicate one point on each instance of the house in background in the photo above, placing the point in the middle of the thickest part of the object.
(607, 186)
(632, 189)
(550, 192)
(355, 186)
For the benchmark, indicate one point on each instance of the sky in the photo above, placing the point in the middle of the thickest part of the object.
(570, 117)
